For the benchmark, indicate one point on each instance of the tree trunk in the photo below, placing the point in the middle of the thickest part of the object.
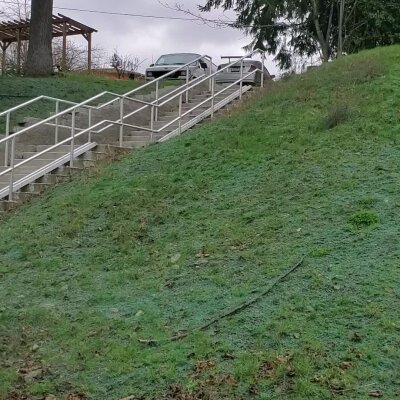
(324, 43)
(40, 59)
(341, 21)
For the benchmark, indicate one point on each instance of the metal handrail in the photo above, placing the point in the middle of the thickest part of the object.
(60, 114)
(218, 72)
(191, 83)
(154, 105)
(165, 76)
(234, 63)
(205, 101)
(85, 103)
(67, 111)
(43, 97)
(63, 142)
(125, 96)
(90, 129)
(32, 101)
(148, 104)
(71, 139)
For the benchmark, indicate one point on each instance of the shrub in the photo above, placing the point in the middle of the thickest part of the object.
(337, 115)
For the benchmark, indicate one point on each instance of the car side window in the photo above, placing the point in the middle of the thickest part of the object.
(203, 64)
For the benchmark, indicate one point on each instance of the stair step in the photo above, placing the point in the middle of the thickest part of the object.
(35, 187)
(132, 144)
(5, 179)
(25, 196)
(62, 148)
(47, 156)
(130, 138)
(138, 135)
(37, 163)
(66, 171)
(6, 205)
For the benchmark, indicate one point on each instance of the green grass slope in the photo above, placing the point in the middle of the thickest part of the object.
(173, 235)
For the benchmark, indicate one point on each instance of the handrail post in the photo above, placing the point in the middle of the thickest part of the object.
(180, 114)
(187, 84)
(121, 118)
(11, 187)
(210, 83)
(71, 161)
(90, 125)
(212, 97)
(56, 130)
(157, 96)
(241, 79)
(262, 68)
(8, 118)
(152, 122)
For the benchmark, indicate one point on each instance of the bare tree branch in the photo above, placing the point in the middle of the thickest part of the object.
(124, 63)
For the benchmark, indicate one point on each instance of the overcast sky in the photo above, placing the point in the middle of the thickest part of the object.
(149, 38)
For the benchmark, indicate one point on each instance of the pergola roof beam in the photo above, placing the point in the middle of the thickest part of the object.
(63, 26)
(8, 29)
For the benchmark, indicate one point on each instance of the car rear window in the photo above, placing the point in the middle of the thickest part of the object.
(176, 59)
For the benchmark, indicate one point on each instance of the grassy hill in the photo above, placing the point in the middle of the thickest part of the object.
(171, 236)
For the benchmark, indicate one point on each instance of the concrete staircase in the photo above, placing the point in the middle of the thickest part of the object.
(32, 177)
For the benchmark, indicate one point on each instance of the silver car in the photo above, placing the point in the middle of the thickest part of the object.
(169, 62)
(233, 73)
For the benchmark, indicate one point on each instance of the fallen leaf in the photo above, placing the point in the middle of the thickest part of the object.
(30, 374)
(285, 358)
(50, 397)
(346, 364)
(337, 386)
(203, 366)
(35, 347)
(375, 393)
(202, 254)
(139, 313)
(356, 337)
(170, 284)
(226, 380)
(290, 372)
(253, 390)
(268, 369)
(175, 258)
(175, 391)
(76, 396)
(228, 356)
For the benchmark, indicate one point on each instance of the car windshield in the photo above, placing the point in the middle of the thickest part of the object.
(176, 59)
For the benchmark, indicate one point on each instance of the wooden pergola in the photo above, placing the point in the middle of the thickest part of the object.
(18, 31)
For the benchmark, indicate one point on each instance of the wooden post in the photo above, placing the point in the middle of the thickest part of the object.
(3, 59)
(89, 39)
(19, 51)
(64, 48)
(4, 46)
